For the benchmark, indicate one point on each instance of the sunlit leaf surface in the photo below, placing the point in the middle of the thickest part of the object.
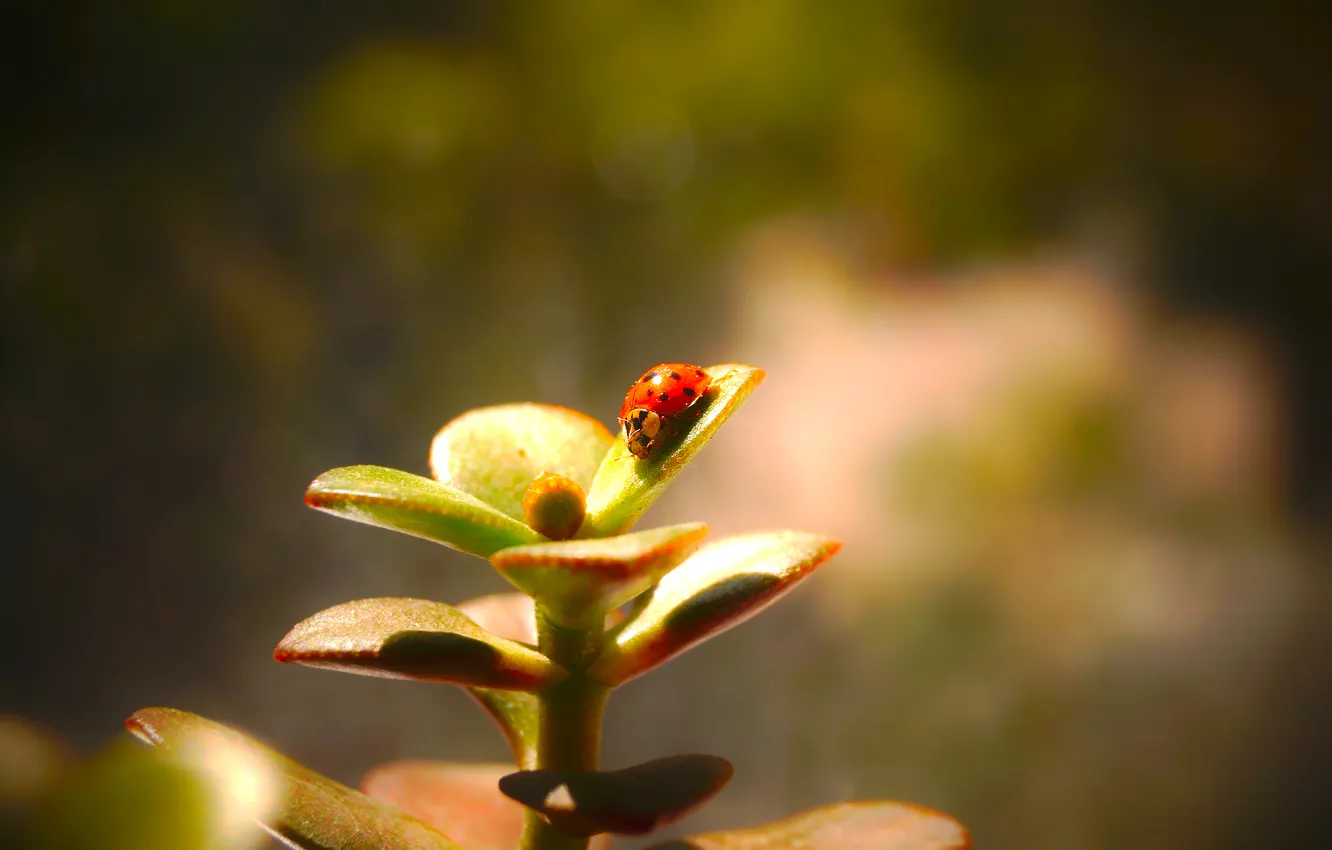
(626, 487)
(870, 825)
(414, 639)
(494, 453)
(578, 581)
(412, 504)
(720, 586)
(307, 811)
(632, 801)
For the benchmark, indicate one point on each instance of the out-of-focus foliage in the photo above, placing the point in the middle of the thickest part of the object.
(1060, 521)
(842, 826)
(204, 796)
(292, 802)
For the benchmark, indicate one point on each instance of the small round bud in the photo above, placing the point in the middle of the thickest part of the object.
(554, 506)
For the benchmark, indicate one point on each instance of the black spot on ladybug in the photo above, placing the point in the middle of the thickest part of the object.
(649, 393)
(689, 391)
(644, 439)
(649, 376)
(675, 376)
(664, 397)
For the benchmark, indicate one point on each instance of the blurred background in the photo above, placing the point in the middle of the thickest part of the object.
(1042, 290)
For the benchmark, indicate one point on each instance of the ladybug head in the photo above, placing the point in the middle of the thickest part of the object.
(640, 430)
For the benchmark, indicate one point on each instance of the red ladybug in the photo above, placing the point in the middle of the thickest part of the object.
(664, 392)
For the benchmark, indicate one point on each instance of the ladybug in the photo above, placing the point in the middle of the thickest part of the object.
(664, 392)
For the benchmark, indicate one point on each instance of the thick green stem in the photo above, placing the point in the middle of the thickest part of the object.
(569, 721)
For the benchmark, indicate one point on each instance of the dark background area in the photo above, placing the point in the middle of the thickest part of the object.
(244, 244)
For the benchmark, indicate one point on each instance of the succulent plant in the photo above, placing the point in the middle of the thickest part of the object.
(550, 497)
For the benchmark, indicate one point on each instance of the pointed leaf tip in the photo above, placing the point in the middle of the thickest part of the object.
(415, 505)
(414, 639)
(625, 488)
(720, 586)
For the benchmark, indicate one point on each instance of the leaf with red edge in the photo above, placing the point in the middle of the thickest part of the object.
(624, 488)
(310, 811)
(720, 586)
(495, 453)
(578, 581)
(868, 825)
(412, 504)
(415, 639)
(632, 801)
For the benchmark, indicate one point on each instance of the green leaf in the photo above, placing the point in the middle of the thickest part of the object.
(625, 487)
(721, 586)
(306, 811)
(578, 581)
(412, 504)
(415, 639)
(511, 616)
(868, 825)
(632, 801)
(129, 798)
(494, 453)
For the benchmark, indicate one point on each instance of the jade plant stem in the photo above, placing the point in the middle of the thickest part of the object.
(569, 720)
